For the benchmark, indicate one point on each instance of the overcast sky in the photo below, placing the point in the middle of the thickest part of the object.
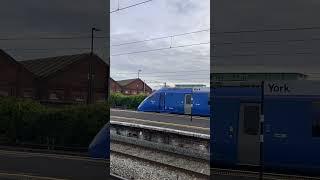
(287, 48)
(160, 18)
(52, 18)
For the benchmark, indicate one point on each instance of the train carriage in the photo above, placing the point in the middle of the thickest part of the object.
(291, 141)
(187, 101)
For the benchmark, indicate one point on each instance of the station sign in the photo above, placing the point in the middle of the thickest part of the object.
(292, 87)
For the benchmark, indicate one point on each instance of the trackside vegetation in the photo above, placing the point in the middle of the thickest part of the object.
(27, 121)
(124, 101)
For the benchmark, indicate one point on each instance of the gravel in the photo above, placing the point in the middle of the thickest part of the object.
(132, 168)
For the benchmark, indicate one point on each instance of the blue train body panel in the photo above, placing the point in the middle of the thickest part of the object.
(288, 140)
(172, 100)
(298, 150)
(100, 146)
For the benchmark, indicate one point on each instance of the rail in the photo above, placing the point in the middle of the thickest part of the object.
(192, 173)
(116, 177)
(255, 175)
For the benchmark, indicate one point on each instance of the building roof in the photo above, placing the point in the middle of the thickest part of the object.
(7, 56)
(46, 66)
(127, 81)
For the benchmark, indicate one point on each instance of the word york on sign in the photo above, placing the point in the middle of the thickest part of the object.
(275, 88)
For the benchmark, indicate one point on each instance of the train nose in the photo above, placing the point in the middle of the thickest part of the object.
(140, 107)
(99, 147)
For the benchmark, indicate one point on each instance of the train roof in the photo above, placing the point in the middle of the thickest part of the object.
(185, 90)
(272, 89)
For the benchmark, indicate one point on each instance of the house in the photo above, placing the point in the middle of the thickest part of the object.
(115, 87)
(15, 79)
(61, 79)
(131, 86)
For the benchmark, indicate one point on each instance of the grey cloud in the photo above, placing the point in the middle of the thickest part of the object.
(156, 19)
(46, 18)
(291, 50)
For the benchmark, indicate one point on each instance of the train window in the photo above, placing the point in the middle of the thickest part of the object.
(188, 99)
(251, 120)
(316, 120)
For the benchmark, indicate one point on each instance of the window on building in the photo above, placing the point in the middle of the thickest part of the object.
(53, 96)
(56, 95)
(251, 120)
(79, 96)
(316, 120)
(134, 92)
(126, 92)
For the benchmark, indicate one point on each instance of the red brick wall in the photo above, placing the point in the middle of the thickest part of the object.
(114, 86)
(73, 81)
(136, 87)
(14, 79)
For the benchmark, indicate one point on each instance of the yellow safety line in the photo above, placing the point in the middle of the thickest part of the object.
(162, 123)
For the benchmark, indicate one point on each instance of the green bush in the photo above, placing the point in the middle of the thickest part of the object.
(124, 101)
(26, 121)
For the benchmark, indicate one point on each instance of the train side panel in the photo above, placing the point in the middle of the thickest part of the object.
(174, 102)
(201, 104)
(289, 142)
(288, 136)
(225, 122)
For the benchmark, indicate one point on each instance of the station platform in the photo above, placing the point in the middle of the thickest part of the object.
(195, 124)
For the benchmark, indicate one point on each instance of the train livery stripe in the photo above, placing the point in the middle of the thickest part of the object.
(162, 123)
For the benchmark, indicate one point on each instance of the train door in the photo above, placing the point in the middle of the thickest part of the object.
(162, 102)
(249, 134)
(187, 104)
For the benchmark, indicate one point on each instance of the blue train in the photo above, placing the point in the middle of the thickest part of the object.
(100, 145)
(291, 141)
(193, 101)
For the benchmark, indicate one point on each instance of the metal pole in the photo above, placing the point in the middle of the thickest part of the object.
(261, 132)
(89, 98)
(191, 105)
(90, 76)
(91, 52)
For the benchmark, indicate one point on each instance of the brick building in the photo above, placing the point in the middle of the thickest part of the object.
(15, 79)
(62, 79)
(115, 86)
(130, 86)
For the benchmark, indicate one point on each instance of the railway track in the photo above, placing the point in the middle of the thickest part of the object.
(163, 165)
(115, 177)
(217, 172)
